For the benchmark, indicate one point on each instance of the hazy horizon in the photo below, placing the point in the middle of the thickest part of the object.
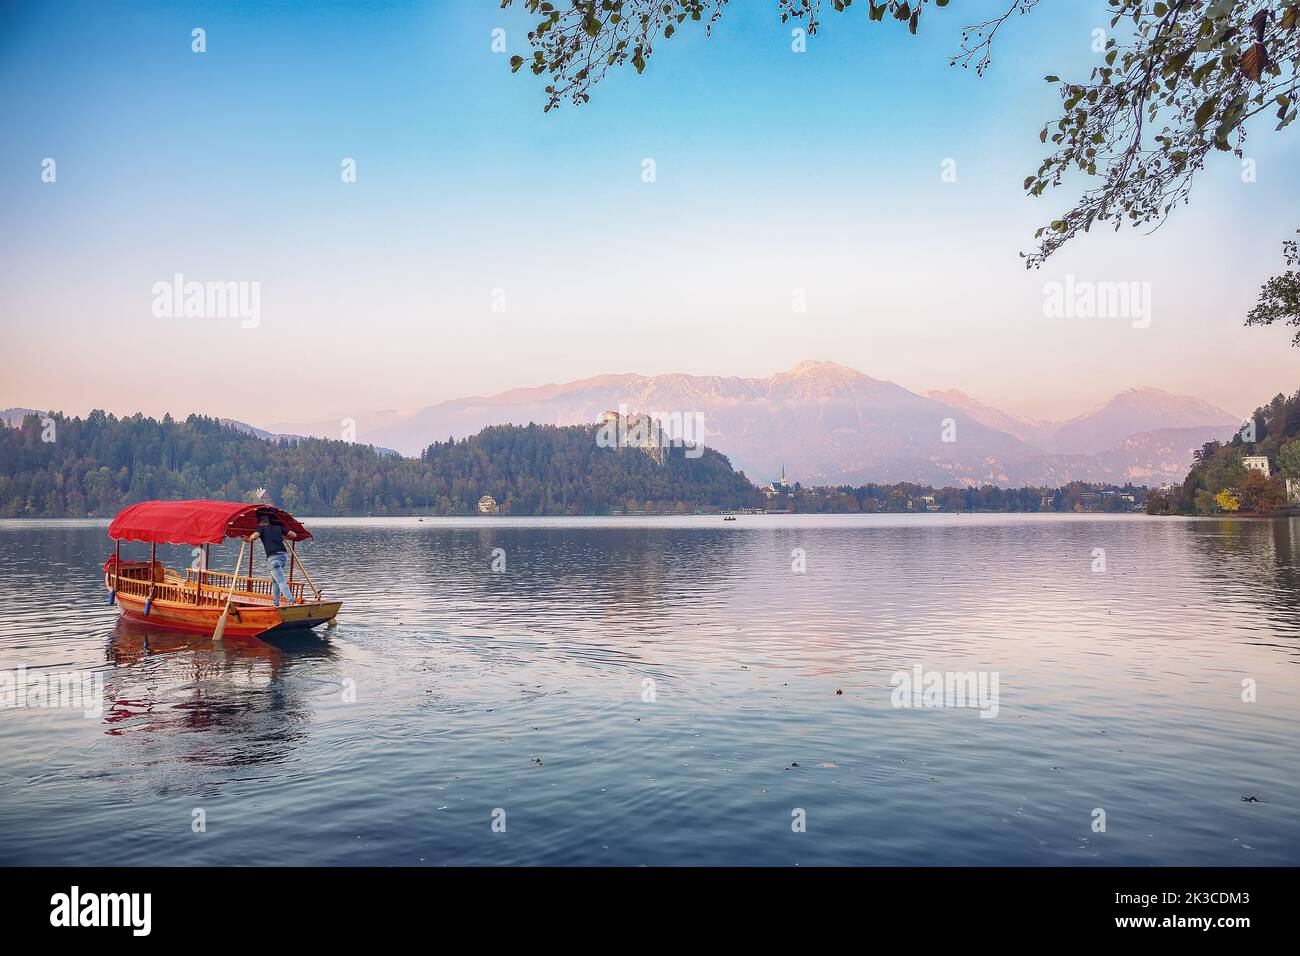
(777, 176)
(179, 412)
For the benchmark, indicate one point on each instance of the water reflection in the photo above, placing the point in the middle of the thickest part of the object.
(426, 707)
(1253, 561)
(174, 684)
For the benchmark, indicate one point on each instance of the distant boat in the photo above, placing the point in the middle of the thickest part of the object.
(195, 600)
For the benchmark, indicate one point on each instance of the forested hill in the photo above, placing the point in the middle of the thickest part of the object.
(100, 464)
(544, 469)
(1220, 482)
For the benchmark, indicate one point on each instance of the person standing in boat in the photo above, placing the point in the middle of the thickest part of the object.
(273, 535)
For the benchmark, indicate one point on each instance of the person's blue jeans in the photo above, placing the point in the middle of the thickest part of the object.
(279, 583)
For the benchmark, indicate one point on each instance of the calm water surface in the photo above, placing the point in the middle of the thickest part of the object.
(523, 691)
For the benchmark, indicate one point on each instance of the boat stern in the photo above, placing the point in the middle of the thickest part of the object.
(306, 615)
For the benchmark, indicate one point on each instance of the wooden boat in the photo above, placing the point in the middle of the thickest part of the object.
(195, 599)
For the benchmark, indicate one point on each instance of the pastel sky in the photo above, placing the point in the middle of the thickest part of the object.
(775, 171)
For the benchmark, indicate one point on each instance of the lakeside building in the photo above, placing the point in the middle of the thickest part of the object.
(1257, 463)
(781, 486)
(778, 486)
(488, 505)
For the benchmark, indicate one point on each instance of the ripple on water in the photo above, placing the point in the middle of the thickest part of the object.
(669, 691)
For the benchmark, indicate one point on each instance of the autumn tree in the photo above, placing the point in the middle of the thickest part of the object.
(1227, 500)
(1260, 494)
(1288, 459)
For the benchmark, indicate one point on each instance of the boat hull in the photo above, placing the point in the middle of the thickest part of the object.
(244, 620)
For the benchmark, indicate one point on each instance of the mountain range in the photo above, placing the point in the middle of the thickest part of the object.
(825, 423)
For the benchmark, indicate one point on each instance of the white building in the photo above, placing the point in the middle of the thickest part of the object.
(1256, 463)
(779, 485)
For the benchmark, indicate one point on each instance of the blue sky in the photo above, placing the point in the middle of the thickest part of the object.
(775, 171)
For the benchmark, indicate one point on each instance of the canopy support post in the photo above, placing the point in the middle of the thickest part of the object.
(153, 577)
(117, 570)
(203, 567)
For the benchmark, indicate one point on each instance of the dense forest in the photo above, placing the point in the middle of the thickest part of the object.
(1219, 483)
(100, 464)
(545, 469)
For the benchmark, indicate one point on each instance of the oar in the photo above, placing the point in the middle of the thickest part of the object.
(221, 621)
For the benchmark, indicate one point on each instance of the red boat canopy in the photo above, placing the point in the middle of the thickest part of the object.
(194, 522)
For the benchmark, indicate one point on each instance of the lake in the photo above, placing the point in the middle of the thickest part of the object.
(631, 691)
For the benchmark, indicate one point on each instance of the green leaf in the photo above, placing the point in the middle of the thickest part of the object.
(1206, 111)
